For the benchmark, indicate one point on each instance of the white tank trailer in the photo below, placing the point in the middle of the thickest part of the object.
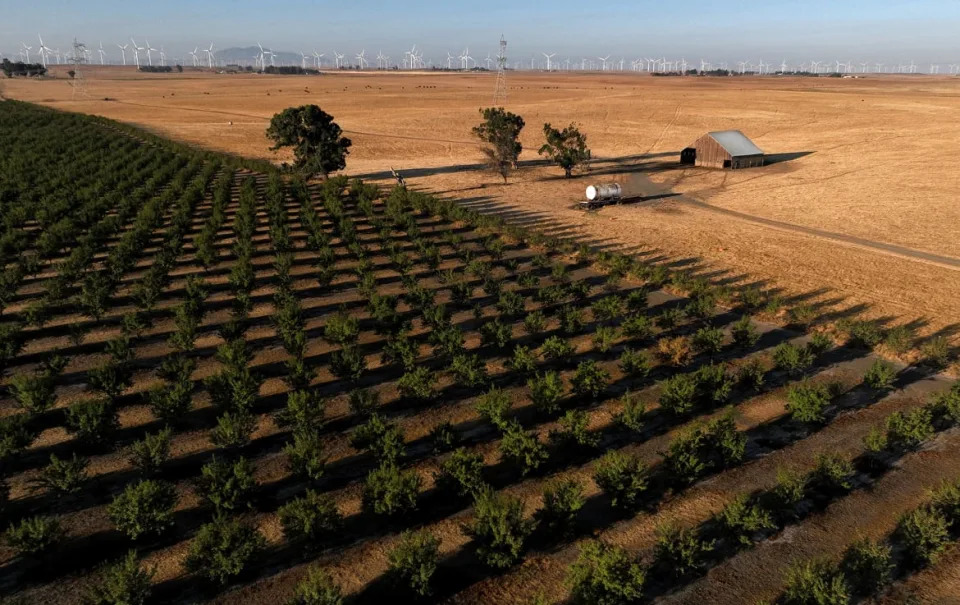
(602, 195)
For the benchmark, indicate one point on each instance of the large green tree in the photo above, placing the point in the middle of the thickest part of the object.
(566, 148)
(500, 131)
(315, 138)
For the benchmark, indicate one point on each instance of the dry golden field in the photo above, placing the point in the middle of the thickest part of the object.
(863, 158)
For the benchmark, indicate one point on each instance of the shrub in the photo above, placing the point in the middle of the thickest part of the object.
(791, 358)
(556, 348)
(546, 390)
(510, 304)
(33, 393)
(312, 517)
(676, 351)
(637, 327)
(880, 376)
(907, 430)
(171, 402)
(571, 320)
(16, 435)
(348, 363)
(413, 561)
(382, 439)
(124, 582)
(867, 566)
(605, 574)
(233, 429)
(791, 488)
(523, 360)
(417, 384)
(604, 337)
(341, 329)
(522, 448)
(590, 380)
(632, 415)
(305, 456)
(923, 534)
(819, 343)
(493, 407)
(469, 370)
(623, 477)
(223, 549)
(832, 473)
(534, 323)
(946, 499)
(815, 582)
(807, 401)
(499, 529)
(574, 430)
(635, 364)
(900, 339)
(444, 437)
(935, 352)
(152, 451)
(562, 499)
(678, 394)
(862, 333)
(751, 374)
(227, 486)
(461, 473)
(705, 447)
(679, 550)
(714, 385)
(111, 378)
(389, 492)
(608, 308)
(34, 536)
(145, 507)
(318, 588)
(745, 335)
(64, 476)
(669, 318)
(400, 349)
(94, 422)
(496, 334)
(708, 340)
(742, 519)
(304, 410)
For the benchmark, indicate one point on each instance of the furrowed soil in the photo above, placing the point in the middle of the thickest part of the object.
(851, 158)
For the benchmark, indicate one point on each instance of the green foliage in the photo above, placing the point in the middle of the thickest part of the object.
(223, 549)
(34, 393)
(704, 448)
(604, 337)
(708, 340)
(521, 448)
(900, 339)
(124, 582)
(315, 138)
(171, 402)
(751, 374)
(227, 486)
(233, 429)
(510, 304)
(907, 430)
(605, 574)
(832, 473)
(111, 378)
(880, 375)
(499, 530)
(562, 500)
(546, 391)
(791, 488)
(867, 566)
(304, 410)
(348, 363)
(566, 148)
(417, 384)
(496, 334)
(382, 439)
(745, 335)
(16, 435)
(534, 323)
(523, 360)
(623, 477)
(807, 401)
(923, 534)
(637, 327)
(636, 364)
(742, 519)
(556, 348)
(444, 437)
(791, 358)
(679, 550)
(499, 132)
(64, 476)
(946, 499)
(305, 454)
(469, 370)
(678, 394)
(861, 333)
(574, 430)
(94, 422)
(146, 507)
(461, 473)
(413, 561)
(608, 308)
(815, 582)
(632, 415)
(318, 588)
(390, 492)
(590, 380)
(34, 536)
(152, 451)
(312, 517)
(341, 328)
(935, 352)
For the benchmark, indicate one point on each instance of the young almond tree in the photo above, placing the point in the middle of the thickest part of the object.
(566, 148)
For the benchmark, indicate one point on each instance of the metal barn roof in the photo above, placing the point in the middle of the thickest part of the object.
(735, 142)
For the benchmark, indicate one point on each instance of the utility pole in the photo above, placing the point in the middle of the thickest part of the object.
(79, 56)
(500, 93)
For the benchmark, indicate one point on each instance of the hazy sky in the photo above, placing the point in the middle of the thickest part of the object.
(875, 30)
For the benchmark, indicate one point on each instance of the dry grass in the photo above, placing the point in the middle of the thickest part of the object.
(874, 168)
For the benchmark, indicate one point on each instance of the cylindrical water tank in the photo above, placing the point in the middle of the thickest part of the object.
(610, 191)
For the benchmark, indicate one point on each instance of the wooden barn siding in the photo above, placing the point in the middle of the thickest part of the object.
(710, 153)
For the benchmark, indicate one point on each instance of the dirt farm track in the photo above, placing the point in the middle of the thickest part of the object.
(858, 211)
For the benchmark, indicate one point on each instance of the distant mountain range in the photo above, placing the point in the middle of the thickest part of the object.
(245, 56)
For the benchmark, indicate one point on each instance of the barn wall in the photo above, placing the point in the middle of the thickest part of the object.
(709, 153)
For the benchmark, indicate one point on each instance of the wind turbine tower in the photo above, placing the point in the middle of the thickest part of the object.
(549, 58)
(500, 92)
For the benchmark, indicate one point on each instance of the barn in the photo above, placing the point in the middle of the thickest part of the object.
(723, 149)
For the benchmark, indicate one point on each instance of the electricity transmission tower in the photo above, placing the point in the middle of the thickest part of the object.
(77, 82)
(500, 94)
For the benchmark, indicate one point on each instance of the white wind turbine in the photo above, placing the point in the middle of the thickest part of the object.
(316, 57)
(163, 57)
(339, 59)
(136, 52)
(149, 49)
(449, 61)
(604, 64)
(100, 50)
(26, 51)
(379, 59)
(303, 60)
(549, 59)
(193, 55)
(488, 60)
(209, 52)
(263, 62)
(44, 51)
(362, 58)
